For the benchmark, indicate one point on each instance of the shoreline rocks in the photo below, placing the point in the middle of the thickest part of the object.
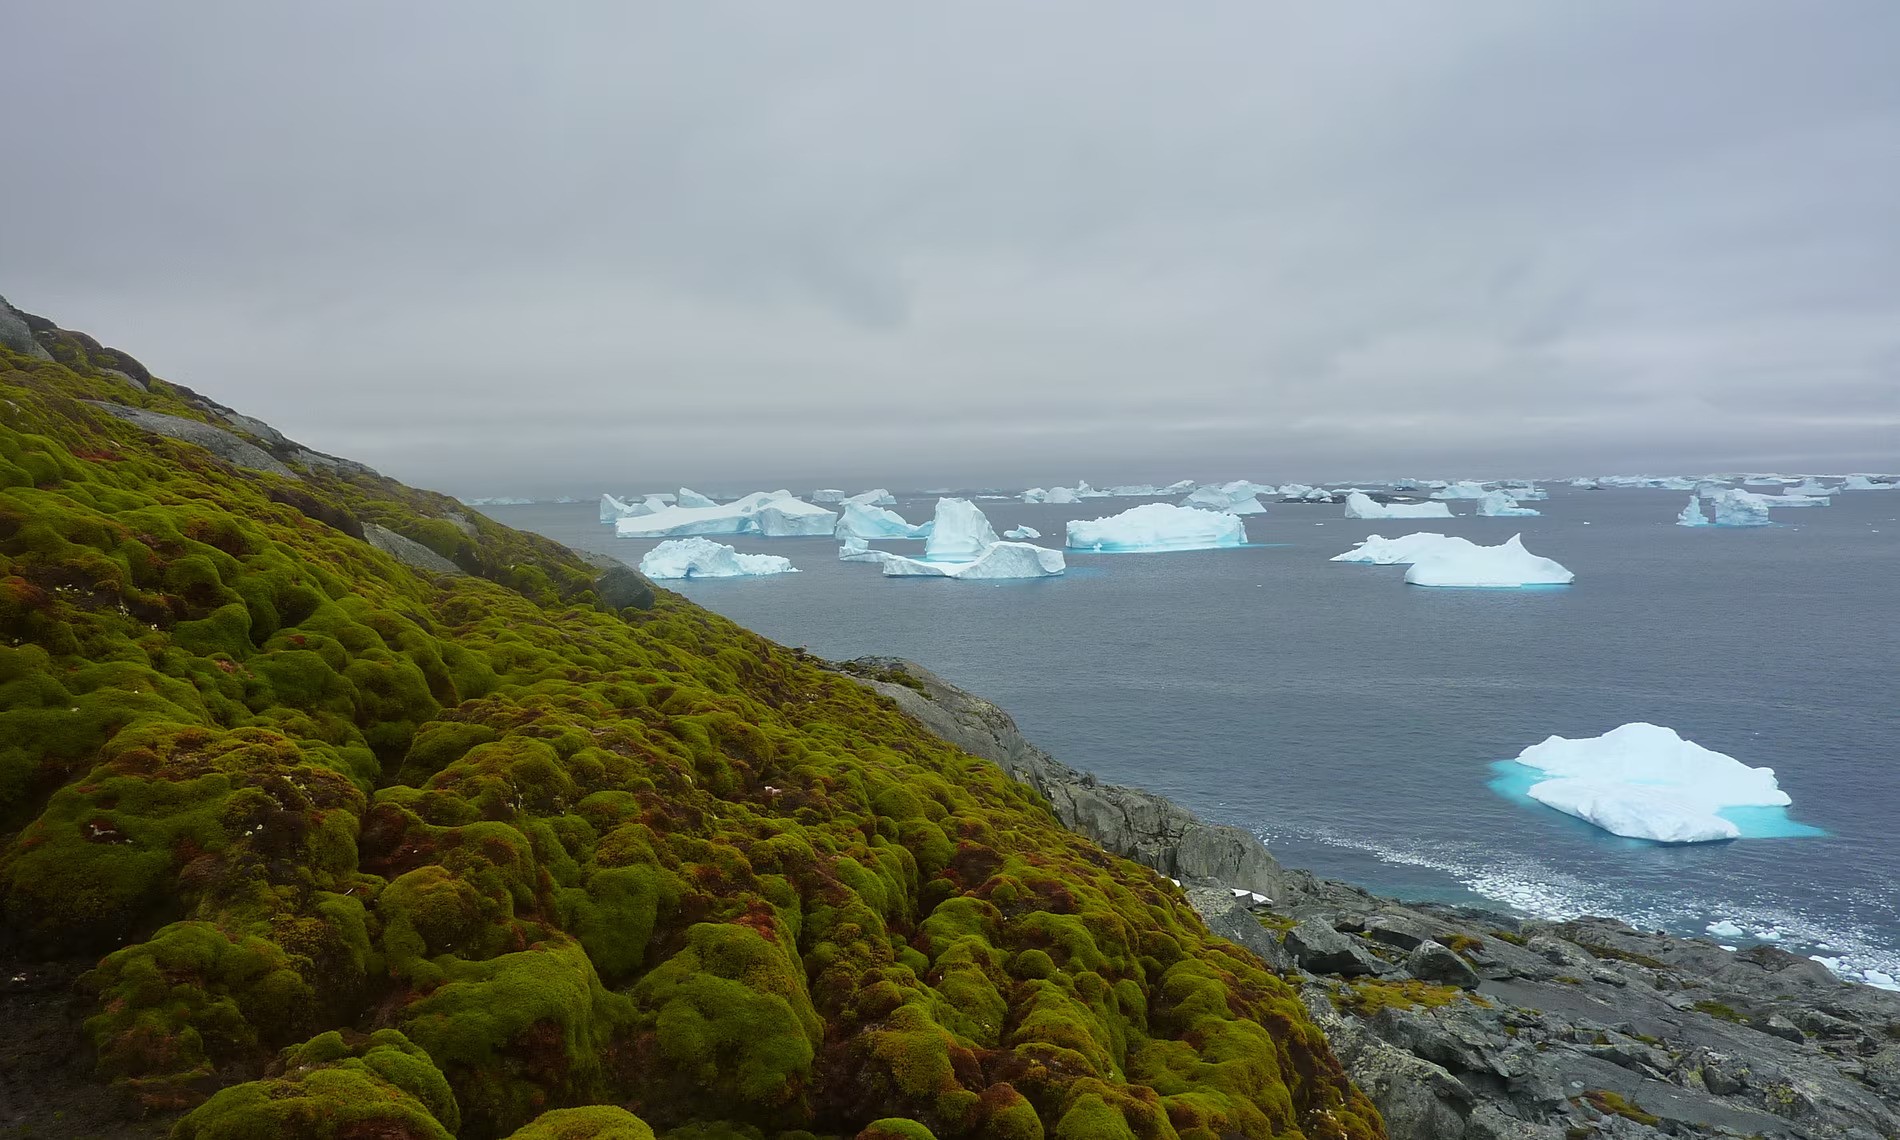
(1466, 1024)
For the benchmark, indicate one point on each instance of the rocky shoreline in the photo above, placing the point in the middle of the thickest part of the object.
(1465, 1024)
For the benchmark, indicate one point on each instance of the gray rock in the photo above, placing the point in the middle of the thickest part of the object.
(1418, 1099)
(407, 551)
(623, 587)
(1149, 829)
(1559, 952)
(226, 446)
(125, 378)
(318, 459)
(1778, 1026)
(1321, 949)
(15, 334)
(1226, 916)
(1432, 962)
(1489, 1122)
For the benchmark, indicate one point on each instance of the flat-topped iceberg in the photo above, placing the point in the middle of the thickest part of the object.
(1362, 506)
(1134, 490)
(1865, 483)
(1236, 498)
(1502, 566)
(769, 513)
(1692, 515)
(1022, 532)
(821, 495)
(1735, 507)
(959, 532)
(1463, 489)
(1000, 560)
(1382, 551)
(688, 497)
(1786, 500)
(704, 558)
(1157, 527)
(1645, 782)
(1497, 504)
(861, 521)
(1809, 487)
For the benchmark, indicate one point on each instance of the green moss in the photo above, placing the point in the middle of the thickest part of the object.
(596, 1122)
(1721, 1010)
(639, 857)
(1613, 1104)
(895, 1128)
(333, 1087)
(1367, 998)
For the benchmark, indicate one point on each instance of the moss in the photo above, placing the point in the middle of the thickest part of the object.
(1463, 943)
(1721, 1010)
(334, 1087)
(895, 1128)
(639, 857)
(596, 1122)
(1365, 999)
(1604, 950)
(1509, 936)
(1613, 1104)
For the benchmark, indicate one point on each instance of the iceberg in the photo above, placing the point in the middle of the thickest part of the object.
(770, 513)
(1645, 782)
(999, 560)
(1497, 504)
(1505, 565)
(1061, 495)
(860, 521)
(1301, 493)
(1034, 495)
(1155, 527)
(1864, 483)
(1134, 491)
(688, 497)
(1464, 489)
(1382, 551)
(1723, 928)
(612, 508)
(1739, 508)
(878, 497)
(1239, 497)
(1176, 488)
(1361, 506)
(1525, 492)
(1692, 514)
(1787, 500)
(1673, 483)
(821, 495)
(1809, 487)
(959, 532)
(1022, 532)
(858, 550)
(704, 558)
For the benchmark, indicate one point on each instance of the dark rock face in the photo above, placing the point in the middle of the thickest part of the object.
(619, 586)
(1462, 1024)
(17, 335)
(1149, 829)
(408, 551)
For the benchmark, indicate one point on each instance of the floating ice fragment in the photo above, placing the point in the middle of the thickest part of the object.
(704, 558)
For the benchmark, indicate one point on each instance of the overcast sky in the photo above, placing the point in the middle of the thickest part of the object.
(503, 248)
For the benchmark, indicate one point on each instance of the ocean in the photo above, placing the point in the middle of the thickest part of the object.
(1353, 721)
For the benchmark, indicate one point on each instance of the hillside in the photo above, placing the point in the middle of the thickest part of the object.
(350, 813)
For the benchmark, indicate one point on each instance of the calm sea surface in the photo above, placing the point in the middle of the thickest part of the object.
(1350, 719)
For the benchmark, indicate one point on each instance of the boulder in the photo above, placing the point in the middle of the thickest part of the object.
(17, 336)
(1318, 948)
(232, 449)
(407, 551)
(1441, 965)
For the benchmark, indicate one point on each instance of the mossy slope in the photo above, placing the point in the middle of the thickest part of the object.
(369, 851)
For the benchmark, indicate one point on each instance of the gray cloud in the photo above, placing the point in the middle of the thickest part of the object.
(727, 243)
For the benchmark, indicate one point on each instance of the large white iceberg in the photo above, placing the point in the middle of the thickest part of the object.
(770, 513)
(1497, 504)
(959, 532)
(1645, 782)
(1507, 564)
(861, 521)
(704, 558)
(612, 508)
(1361, 506)
(1382, 551)
(1692, 514)
(1463, 489)
(1061, 495)
(1158, 526)
(1022, 532)
(688, 497)
(999, 560)
(1734, 507)
(821, 495)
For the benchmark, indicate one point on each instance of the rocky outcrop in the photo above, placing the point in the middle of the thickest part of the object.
(619, 586)
(1149, 829)
(17, 335)
(1464, 1024)
(407, 551)
(225, 445)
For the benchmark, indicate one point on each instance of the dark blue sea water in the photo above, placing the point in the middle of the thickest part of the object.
(1352, 721)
